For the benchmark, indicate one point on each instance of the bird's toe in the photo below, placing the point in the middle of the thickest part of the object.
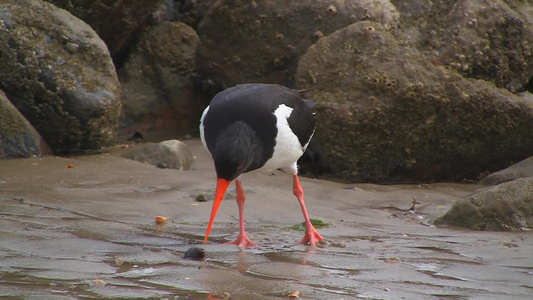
(242, 241)
(311, 237)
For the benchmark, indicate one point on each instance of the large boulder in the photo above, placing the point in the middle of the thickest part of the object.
(157, 81)
(117, 23)
(59, 75)
(387, 114)
(504, 207)
(17, 137)
(490, 40)
(261, 41)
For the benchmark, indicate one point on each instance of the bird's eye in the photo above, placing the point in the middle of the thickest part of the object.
(239, 167)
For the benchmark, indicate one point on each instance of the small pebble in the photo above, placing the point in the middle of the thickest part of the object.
(119, 261)
(162, 165)
(201, 198)
(195, 253)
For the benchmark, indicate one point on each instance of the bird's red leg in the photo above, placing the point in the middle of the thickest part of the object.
(242, 240)
(311, 236)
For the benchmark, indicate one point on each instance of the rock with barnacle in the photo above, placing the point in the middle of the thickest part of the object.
(387, 114)
(58, 73)
(250, 41)
(504, 207)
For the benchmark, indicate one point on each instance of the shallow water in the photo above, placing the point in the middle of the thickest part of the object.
(89, 232)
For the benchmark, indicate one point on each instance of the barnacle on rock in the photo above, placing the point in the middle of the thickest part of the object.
(332, 9)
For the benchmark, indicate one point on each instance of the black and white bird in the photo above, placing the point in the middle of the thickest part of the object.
(256, 127)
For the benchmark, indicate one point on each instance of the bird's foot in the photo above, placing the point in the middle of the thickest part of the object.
(311, 237)
(242, 241)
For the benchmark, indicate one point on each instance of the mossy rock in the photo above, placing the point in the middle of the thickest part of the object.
(489, 40)
(17, 137)
(157, 81)
(59, 75)
(519, 170)
(261, 41)
(117, 23)
(387, 114)
(504, 207)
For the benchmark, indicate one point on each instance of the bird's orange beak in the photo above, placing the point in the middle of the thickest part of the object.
(222, 185)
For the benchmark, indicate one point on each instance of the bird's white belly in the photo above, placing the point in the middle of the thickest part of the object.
(288, 148)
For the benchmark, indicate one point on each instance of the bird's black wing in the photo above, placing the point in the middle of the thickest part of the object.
(255, 104)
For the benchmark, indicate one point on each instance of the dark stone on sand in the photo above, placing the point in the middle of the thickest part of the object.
(162, 165)
(201, 198)
(195, 253)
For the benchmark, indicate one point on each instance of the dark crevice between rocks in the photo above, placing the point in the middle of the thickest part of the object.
(529, 85)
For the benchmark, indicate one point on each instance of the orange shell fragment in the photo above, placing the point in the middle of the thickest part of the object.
(98, 282)
(160, 219)
(295, 295)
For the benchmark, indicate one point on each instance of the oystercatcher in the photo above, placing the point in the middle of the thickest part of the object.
(256, 127)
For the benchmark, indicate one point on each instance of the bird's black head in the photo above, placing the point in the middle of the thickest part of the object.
(235, 151)
(230, 166)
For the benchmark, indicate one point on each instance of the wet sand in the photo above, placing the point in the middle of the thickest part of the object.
(89, 232)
